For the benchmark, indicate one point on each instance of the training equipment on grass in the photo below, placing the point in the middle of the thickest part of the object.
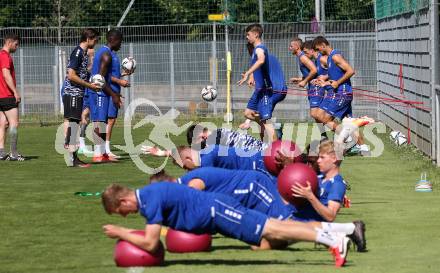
(289, 148)
(296, 174)
(183, 242)
(98, 80)
(129, 255)
(209, 93)
(423, 185)
(398, 138)
(129, 64)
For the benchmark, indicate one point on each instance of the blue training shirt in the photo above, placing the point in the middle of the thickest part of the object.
(262, 74)
(276, 74)
(116, 72)
(97, 65)
(252, 189)
(177, 206)
(328, 190)
(304, 70)
(321, 70)
(334, 71)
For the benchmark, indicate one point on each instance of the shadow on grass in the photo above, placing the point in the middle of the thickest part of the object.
(229, 262)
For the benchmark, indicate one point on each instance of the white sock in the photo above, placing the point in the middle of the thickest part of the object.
(82, 142)
(107, 147)
(326, 238)
(98, 151)
(347, 228)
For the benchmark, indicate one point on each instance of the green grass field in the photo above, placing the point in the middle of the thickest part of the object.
(46, 228)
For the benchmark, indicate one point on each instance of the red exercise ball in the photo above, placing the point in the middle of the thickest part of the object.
(296, 173)
(289, 148)
(182, 242)
(129, 255)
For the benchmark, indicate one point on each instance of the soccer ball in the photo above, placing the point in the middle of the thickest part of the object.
(129, 64)
(98, 80)
(398, 138)
(209, 93)
(401, 140)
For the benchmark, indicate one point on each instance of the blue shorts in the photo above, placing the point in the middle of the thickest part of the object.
(234, 220)
(86, 101)
(263, 101)
(315, 94)
(99, 106)
(112, 109)
(338, 104)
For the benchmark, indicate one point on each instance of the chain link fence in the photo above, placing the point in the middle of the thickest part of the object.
(174, 62)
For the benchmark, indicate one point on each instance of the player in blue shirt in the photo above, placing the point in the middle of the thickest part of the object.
(252, 189)
(337, 101)
(200, 137)
(279, 87)
(259, 107)
(99, 101)
(221, 157)
(116, 83)
(73, 92)
(186, 209)
(331, 188)
(316, 91)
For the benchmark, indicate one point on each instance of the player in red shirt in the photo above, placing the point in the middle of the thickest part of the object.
(9, 98)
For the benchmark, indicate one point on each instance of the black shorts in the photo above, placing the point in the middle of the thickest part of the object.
(7, 104)
(73, 107)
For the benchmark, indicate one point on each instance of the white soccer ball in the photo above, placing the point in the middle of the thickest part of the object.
(129, 64)
(209, 93)
(400, 139)
(98, 80)
(394, 134)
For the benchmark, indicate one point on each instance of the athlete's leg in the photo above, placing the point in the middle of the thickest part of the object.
(13, 119)
(3, 127)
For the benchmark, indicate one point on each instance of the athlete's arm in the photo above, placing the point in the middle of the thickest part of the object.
(261, 58)
(10, 82)
(197, 184)
(344, 65)
(328, 212)
(120, 82)
(149, 242)
(311, 67)
(105, 61)
(73, 77)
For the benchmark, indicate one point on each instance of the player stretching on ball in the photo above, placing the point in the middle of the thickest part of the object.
(99, 101)
(259, 107)
(73, 94)
(251, 188)
(185, 209)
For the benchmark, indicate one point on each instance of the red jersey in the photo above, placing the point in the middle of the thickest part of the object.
(6, 62)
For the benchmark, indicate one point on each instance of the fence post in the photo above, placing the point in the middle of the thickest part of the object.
(130, 89)
(23, 99)
(56, 82)
(435, 115)
(214, 61)
(172, 82)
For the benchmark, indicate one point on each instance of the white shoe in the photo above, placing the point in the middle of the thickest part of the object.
(344, 246)
(364, 148)
(112, 155)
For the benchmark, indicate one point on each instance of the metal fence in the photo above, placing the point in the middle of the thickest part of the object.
(175, 62)
(407, 70)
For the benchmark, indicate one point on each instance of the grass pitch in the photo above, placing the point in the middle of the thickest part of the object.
(46, 228)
